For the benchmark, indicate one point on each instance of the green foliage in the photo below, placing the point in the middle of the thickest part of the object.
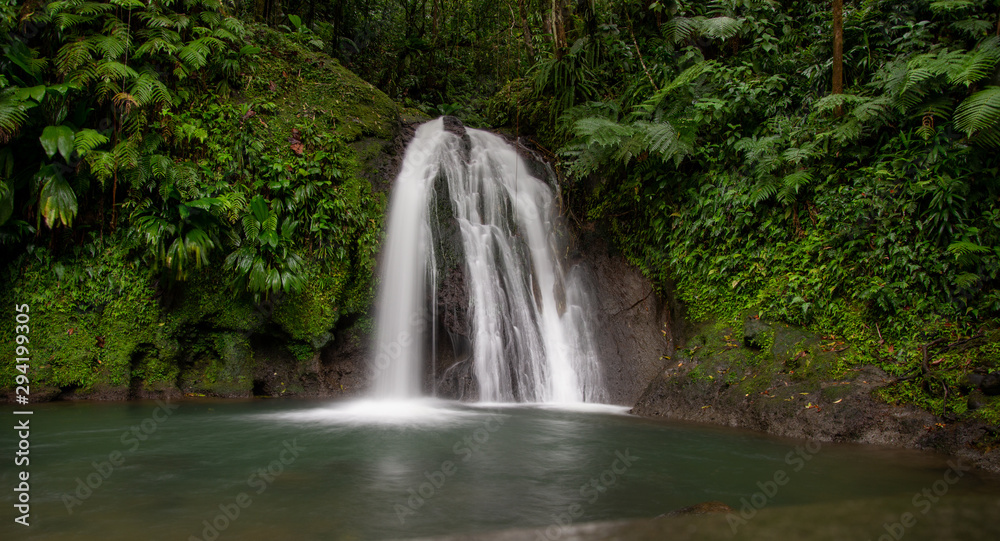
(263, 261)
(721, 163)
(87, 317)
(229, 187)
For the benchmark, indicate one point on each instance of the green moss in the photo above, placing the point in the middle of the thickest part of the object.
(312, 314)
(223, 366)
(306, 84)
(89, 313)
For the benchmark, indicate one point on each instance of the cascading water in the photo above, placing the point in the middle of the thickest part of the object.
(529, 335)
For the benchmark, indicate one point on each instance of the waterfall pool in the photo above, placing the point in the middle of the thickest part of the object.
(207, 469)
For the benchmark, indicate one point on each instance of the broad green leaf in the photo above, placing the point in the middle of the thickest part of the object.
(57, 138)
(258, 206)
(37, 93)
(205, 203)
(57, 200)
(270, 238)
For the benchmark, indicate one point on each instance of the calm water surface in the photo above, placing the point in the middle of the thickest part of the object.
(321, 470)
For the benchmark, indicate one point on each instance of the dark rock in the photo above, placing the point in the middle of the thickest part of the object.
(755, 333)
(702, 508)
(635, 328)
(971, 381)
(976, 400)
(454, 125)
(990, 384)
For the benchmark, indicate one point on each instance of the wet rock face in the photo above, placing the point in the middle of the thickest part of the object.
(792, 388)
(634, 327)
(454, 125)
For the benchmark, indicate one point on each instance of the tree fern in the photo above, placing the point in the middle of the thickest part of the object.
(114, 71)
(601, 131)
(110, 46)
(979, 114)
(73, 55)
(13, 115)
(792, 183)
(762, 192)
(679, 29)
(720, 27)
(976, 65)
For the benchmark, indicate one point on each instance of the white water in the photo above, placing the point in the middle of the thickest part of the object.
(530, 340)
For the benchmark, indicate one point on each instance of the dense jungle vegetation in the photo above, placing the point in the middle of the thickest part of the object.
(830, 165)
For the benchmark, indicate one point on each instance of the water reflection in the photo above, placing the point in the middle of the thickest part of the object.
(431, 468)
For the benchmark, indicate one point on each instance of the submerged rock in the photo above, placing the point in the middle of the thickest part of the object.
(702, 508)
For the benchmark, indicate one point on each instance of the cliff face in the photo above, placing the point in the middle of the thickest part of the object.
(636, 326)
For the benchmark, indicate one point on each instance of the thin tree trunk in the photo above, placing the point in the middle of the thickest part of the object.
(838, 49)
(559, 27)
(526, 29)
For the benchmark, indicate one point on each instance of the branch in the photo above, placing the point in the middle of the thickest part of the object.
(637, 52)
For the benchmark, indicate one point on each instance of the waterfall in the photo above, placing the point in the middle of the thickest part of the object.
(528, 317)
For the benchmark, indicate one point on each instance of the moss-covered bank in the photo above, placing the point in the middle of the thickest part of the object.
(109, 322)
(787, 381)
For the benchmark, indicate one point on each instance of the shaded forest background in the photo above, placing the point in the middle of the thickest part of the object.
(829, 165)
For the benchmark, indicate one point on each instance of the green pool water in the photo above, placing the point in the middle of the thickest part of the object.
(366, 470)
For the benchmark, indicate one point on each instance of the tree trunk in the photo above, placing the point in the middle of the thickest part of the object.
(838, 49)
(559, 16)
(526, 29)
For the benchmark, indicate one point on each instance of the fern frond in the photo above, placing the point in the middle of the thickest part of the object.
(762, 192)
(251, 227)
(719, 27)
(679, 29)
(73, 55)
(973, 28)
(93, 8)
(601, 131)
(756, 148)
(195, 54)
(798, 155)
(86, 140)
(102, 164)
(979, 112)
(660, 137)
(115, 71)
(110, 47)
(13, 115)
(947, 6)
(829, 103)
(796, 180)
(878, 109)
(66, 20)
(977, 65)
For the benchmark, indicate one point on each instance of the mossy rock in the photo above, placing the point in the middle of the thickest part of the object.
(302, 82)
